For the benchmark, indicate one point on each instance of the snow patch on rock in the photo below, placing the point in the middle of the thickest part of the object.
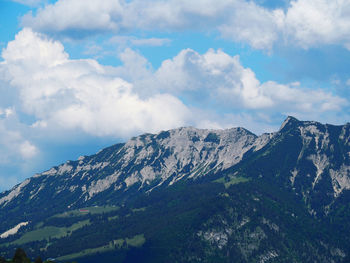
(102, 184)
(130, 180)
(215, 237)
(321, 162)
(13, 230)
(66, 168)
(268, 256)
(340, 179)
(52, 171)
(35, 193)
(14, 193)
(262, 140)
(294, 175)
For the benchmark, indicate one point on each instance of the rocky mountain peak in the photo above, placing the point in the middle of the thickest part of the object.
(289, 122)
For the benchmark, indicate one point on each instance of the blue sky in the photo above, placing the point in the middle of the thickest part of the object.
(80, 75)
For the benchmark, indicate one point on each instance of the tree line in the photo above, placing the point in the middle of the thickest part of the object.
(20, 256)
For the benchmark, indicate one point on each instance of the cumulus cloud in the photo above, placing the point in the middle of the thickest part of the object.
(305, 23)
(73, 16)
(235, 19)
(28, 150)
(81, 94)
(119, 101)
(14, 145)
(220, 77)
(254, 25)
(315, 22)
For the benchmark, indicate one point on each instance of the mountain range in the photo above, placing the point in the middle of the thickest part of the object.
(192, 195)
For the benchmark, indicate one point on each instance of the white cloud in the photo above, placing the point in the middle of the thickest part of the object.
(28, 150)
(220, 78)
(29, 47)
(82, 94)
(6, 112)
(304, 23)
(13, 145)
(119, 101)
(251, 24)
(73, 16)
(315, 22)
(235, 19)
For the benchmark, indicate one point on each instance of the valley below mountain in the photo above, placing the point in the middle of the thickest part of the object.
(191, 195)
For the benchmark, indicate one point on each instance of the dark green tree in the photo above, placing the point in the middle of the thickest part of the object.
(20, 256)
(38, 260)
(2, 260)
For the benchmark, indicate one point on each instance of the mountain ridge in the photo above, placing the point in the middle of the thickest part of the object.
(181, 139)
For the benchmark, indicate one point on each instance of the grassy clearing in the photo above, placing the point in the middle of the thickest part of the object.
(142, 209)
(87, 252)
(49, 232)
(231, 180)
(111, 218)
(136, 241)
(88, 210)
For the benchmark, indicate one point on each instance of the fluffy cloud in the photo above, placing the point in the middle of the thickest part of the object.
(314, 22)
(254, 25)
(73, 16)
(216, 80)
(220, 77)
(235, 19)
(17, 152)
(81, 94)
(46, 94)
(14, 145)
(84, 95)
(305, 23)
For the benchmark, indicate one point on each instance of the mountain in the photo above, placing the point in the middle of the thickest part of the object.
(142, 164)
(192, 195)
